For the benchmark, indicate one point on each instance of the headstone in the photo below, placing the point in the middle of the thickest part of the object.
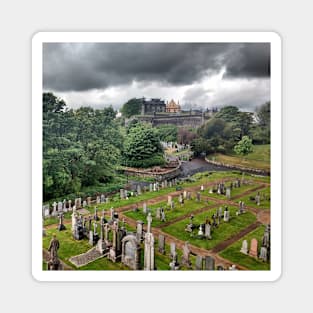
(158, 213)
(98, 200)
(70, 205)
(170, 184)
(125, 194)
(207, 231)
(150, 187)
(84, 203)
(198, 196)
(228, 193)
(122, 194)
(154, 187)
(188, 195)
(169, 200)
(263, 254)
(139, 230)
(144, 208)
(60, 206)
(172, 205)
(138, 190)
(209, 263)
(61, 225)
(172, 249)
(165, 183)
(244, 248)
(64, 206)
(200, 232)
(102, 198)
(46, 210)
(254, 248)
(202, 188)
(54, 212)
(226, 216)
(91, 237)
(220, 212)
(79, 203)
(162, 244)
(257, 199)
(185, 194)
(199, 263)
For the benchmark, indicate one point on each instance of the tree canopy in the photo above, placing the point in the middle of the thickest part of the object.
(131, 107)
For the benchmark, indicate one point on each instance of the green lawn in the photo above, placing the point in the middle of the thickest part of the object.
(233, 254)
(179, 210)
(264, 204)
(223, 232)
(260, 158)
(234, 191)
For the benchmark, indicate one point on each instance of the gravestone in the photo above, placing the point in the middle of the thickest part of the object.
(64, 206)
(154, 187)
(163, 218)
(228, 193)
(131, 252)
(257, 199)
(172, 249)
(199, 263)
(169, 200)
(186, 255)
(60, 207)
(220, 212)
(144, 208)
(125, 194)
(170, 184)
(254, 248)
(79, 203)
(207, 231)
(139, 230)
(202, 188)
(200, 232)
(122, 194)
(185, 194)
(263, 254)
(138, 190)
(149, 247)
(244, 248)
(46, 210)
(209, 263)
(165, 183)
(162, 244)
(188, 195)
(158, 213)
(70, 205)
(226, 216)
(102, 198)
(198, 196)
(98, 200)
(172, 205)
(150, 187)
(61, 225)
(84, 203)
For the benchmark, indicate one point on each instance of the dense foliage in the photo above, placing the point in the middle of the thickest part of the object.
(131, 107)
(227, 127)
(167, 133)
(142, 147)
(244, 146)
(80, 147)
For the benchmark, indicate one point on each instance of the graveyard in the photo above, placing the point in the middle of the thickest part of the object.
(210, 221)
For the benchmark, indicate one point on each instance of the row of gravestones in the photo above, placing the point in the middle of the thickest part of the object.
(264, 254)
(202, 262)
(152, 187)
(66, 206)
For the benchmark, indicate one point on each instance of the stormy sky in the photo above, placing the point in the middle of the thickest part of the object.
(195, 74)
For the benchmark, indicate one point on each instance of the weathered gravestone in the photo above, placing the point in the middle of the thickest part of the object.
(198, 196)
(263, 254)
(162, 244)
(46, 210)
(60, 206)
(199, 263)
(254, 248)
(102, 198)
(209, 263)
(144, 208)
(138, 190)
(131, 252)
(139, 230)
(186, 255)
(207, 231)
(98, 200)
(64, 206)
(244, 248)
(122, 194)
(84, 203)
(158, 213)
(172, 249)
(228, 193)
(226, 216)
(169, 200)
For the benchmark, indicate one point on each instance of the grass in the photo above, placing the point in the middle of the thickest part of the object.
(260, 158)
(223, 232)
(179, 210)
(264, 204)
(233, 253)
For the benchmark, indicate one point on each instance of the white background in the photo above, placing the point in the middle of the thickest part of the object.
(20, 20)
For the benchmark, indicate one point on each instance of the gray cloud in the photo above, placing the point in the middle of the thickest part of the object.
(86, 66)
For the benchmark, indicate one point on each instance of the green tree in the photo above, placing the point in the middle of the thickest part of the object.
(244, 146)
(131, 107)
(142, 147)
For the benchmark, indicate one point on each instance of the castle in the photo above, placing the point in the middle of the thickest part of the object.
(156, 105)
(158, 112)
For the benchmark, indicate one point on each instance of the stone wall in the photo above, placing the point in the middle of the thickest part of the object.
(159, 176)
(240, 168)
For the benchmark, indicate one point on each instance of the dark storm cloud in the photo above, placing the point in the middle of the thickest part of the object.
(85, 66)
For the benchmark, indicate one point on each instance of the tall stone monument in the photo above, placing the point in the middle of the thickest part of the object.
(149, 247)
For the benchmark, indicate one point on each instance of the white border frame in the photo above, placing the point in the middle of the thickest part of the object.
(154, 276)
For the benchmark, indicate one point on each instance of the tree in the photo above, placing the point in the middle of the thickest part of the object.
(131, 107)
(51, 103)
(244, 146)
(142, 147)
(263, 115)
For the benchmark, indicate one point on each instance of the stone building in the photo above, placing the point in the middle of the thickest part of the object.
(152, 106)
(173, 107)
